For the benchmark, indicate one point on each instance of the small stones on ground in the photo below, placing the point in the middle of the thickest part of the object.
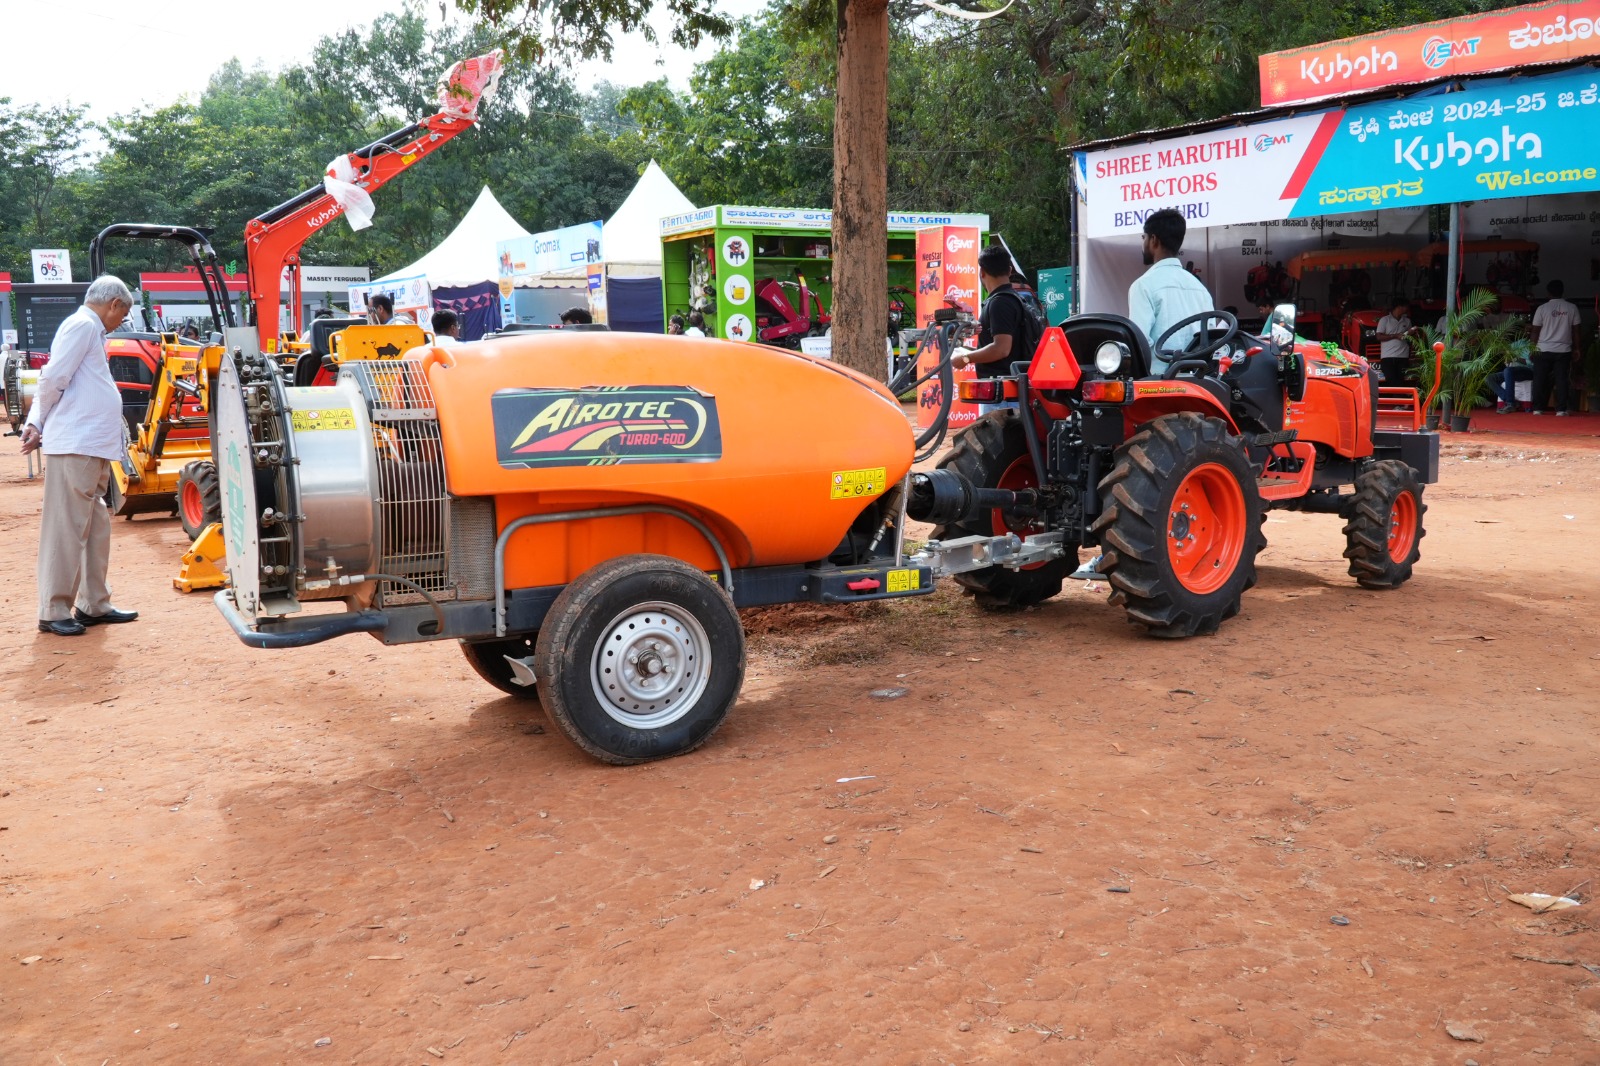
(831, 838)
(1032, 850)
(1119, 888)
(965, 1027)
(31, 959)
(756, 883)
(1470, 1062)
(324, 1041)
(888, 693)
(1339, 919)
(531, 729)
(1462, 1033)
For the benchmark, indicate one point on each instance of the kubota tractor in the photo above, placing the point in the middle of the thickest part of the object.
(1166, 460)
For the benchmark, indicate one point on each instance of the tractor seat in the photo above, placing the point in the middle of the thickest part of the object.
(1086, 333)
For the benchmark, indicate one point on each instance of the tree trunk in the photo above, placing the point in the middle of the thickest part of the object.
(861, 187)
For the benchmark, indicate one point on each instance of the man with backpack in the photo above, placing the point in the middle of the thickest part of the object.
(1008, 331)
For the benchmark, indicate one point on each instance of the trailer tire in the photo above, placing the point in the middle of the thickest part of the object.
(1181, 526)
(640, 658)
(1383, 529)
(993, 453)
(488, 660)
(199, 497)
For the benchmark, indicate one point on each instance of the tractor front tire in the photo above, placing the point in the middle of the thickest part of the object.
(488, 660)
(640, 658)
(1383, 532)
(993, 453)
(199, 497)
(1181, 526)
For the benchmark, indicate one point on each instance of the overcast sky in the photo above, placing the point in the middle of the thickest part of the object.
(117, 54)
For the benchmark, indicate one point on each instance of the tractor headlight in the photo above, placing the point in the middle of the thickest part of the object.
(1109, 357)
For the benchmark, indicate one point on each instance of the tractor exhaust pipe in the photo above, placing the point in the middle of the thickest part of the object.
(944, 497)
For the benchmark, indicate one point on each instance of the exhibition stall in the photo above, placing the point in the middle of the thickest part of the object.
(1359, 186)
(765, 273)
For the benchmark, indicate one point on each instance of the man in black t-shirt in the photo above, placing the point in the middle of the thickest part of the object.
(1002, 328)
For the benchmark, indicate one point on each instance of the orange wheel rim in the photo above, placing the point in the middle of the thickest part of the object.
(1206, 528)
(1019, 475)
(1402, 526)
(194, 508)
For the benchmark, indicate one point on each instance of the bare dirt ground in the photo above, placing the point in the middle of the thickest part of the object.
(215, 855)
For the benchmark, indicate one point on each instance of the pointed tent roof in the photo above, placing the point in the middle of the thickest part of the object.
(633, 234)
(468, 256)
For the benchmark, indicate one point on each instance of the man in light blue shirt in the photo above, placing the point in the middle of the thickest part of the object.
(1166, 293)
(77, 421)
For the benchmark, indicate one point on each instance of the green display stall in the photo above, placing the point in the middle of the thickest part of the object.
(764, 273)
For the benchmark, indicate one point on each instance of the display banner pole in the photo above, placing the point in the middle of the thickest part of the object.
(1452, 265)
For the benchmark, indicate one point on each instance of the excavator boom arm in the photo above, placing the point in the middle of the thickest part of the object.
(273, 239)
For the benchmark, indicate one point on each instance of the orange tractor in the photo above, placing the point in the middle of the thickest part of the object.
(1165, 458)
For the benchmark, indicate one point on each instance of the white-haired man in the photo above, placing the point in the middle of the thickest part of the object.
(77, 421)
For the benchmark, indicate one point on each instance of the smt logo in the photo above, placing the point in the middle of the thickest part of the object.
(956, 244)
(536, 428)
(1265, 141)
(1436, 51)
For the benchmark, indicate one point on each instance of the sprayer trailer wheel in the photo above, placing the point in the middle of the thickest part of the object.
(640, 658)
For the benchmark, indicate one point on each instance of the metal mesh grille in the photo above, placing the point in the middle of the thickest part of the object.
(413, 503)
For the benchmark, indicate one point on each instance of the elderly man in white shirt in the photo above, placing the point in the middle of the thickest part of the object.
(1166, 294)
(77, 421)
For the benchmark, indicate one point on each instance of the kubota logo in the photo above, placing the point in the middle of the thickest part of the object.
(961, 268)
(1265, 141)
(602, 427)
(323, 217)
(957, 244)
(1436, 51)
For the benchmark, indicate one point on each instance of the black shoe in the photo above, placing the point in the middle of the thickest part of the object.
(111, 617)
(62, 627)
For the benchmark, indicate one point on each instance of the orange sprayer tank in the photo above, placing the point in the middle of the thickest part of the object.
(776, 452)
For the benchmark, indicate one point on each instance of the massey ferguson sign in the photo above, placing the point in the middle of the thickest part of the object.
(1473, 44)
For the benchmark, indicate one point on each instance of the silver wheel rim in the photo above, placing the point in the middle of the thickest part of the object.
(651, 665)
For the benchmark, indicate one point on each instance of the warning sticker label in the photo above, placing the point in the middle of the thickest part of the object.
(850, 484)
(904, 580)
(326, 418)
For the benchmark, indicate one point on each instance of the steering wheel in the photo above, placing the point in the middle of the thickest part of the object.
(1195, 358)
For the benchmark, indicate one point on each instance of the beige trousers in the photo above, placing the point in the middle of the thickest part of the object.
(74, 538)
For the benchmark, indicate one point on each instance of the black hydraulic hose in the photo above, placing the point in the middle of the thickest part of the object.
(938, 334)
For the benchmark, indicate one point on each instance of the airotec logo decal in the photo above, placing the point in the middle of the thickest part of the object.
(605, 426)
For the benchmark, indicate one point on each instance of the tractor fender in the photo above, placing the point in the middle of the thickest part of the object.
(1152, 399)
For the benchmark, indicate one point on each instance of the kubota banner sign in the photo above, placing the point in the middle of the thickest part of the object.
(1472, 44)
(1499, 138)
(947, 276)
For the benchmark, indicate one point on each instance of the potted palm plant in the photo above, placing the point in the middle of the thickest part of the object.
(1484, 352)
(1458, 324)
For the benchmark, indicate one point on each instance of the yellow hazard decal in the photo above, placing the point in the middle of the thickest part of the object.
(850, 484)
(326, 418)
(904, 580)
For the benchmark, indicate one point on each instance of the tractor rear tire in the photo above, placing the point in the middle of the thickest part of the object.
(993, 453)
(1384, 531)
(1181, 526)
(488, 660)
(199, 497)
(640, 658)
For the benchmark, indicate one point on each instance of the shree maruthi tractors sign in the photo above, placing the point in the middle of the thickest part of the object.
(1496, 138)
(1472, 44)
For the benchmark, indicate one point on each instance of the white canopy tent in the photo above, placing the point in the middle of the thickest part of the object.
(631, 239)
(467, 256)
